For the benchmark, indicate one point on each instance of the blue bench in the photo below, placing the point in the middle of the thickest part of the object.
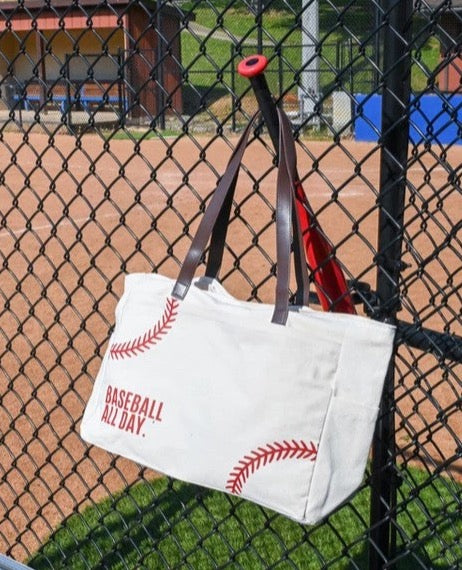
(84, 99)
(30, 98)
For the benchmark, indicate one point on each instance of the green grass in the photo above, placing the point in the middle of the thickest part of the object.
(139, 134)
(169, 525)
(210, 61)
(425, 61)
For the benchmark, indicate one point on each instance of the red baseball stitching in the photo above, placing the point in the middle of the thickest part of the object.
(267, 454)
(144, 342)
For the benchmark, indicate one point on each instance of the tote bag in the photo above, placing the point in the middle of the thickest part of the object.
(275, 404)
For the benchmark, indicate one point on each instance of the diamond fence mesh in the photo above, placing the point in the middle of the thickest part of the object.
(116, 120)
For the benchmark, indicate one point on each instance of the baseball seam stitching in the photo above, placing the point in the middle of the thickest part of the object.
(265, 455)
(150, 338)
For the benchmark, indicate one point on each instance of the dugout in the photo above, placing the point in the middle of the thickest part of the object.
(104, 52)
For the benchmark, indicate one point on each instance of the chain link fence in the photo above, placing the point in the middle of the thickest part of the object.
(116, 120)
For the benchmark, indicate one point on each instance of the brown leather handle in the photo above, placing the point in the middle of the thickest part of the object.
(216, 217)
(225, 188)
(217, 242)
(218, 239)
(301, 268)
(286, 216)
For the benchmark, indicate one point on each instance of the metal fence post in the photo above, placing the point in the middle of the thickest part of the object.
(396, 80)
(232, 59)
(259, 22)
(68, 110)
(160, 111)
(120, 87)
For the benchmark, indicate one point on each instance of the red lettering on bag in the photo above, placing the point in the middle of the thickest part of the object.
(151, 410)
(144, 407)
(135, 403)
(123, 420)
(134, 408)
(128, 397)
(113, 416)
(114, 397)
(109, 415)
(120, 401)
(140, 424)
(105, 413)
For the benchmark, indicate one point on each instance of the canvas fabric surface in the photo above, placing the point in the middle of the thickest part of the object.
(209, 391)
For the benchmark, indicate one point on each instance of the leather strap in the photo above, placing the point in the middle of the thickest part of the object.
(286, 216)
(225, 188)
(218, 239)
(301, 269)
(283, 227)
(216, 218)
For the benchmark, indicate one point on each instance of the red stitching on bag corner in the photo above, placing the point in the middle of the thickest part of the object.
(262, 456)
(149, 338)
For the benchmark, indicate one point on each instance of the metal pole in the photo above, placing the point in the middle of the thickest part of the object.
(350, 65)
(160, 111)
(395, 136)
(233, 89)
(42, 72)
(119, 88)
(68, 111)
(377, 54)
(309, 89)
(281, 74)
(260, 8)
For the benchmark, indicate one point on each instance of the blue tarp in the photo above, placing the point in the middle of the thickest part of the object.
(434, 118)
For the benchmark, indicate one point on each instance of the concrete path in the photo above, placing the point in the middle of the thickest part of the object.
(221, 35)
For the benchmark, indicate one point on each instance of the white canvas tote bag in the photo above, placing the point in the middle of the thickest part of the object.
(275, 404)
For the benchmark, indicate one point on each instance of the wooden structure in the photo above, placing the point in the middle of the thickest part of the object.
(450, 78)
(450, 36)
(94, 53)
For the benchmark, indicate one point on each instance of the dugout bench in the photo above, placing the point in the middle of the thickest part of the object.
(89, 95)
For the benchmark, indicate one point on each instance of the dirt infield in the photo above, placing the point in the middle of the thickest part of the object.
(75, 218)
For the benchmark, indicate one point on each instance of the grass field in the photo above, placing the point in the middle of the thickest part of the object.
(206, 60)
(146, 523)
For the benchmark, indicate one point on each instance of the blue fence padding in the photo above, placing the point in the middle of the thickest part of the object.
(434, 118)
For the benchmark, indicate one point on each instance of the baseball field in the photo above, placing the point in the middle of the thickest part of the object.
(77, 214)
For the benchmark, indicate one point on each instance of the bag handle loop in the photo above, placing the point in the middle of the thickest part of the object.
(218, 239)
(286, 215)
(204, 231)
(216, 216)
